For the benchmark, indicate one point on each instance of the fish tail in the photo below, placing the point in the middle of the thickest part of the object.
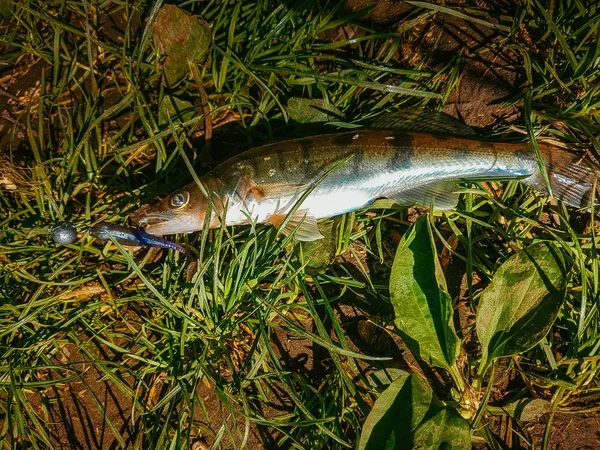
(573, 177)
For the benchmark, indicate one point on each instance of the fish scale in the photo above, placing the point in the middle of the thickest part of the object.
(378, 166)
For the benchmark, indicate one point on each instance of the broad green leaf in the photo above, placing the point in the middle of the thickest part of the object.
(407, 415)
(422, 305)
(308, 110)
(382, 378)
(529, 409)
(183, 38)
(173, 109)
(521, 303)
(318, 254)
(6, 8)
(445, 429)
(525, 409)
(396, 413)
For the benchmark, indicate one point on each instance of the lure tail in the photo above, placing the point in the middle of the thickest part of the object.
(572, 177)
(131, 236)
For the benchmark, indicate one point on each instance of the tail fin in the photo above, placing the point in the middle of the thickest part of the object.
(572, 177)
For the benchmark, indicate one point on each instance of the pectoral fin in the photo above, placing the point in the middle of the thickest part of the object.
(440, 194)
(302, 223)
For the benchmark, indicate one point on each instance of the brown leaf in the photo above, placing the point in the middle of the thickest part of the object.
(183, 38)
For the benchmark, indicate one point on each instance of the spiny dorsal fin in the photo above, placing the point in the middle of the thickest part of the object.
(302, 223)
(423, 119)
(440, 194)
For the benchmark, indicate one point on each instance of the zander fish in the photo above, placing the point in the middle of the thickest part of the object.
(264, 184)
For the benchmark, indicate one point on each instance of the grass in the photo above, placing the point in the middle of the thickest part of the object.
(219, 355)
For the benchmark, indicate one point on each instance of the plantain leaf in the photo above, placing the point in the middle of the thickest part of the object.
(524, 409)
(6, 8)
(521, 303)
(422, 305)
(444, 429)
(381, 379)
(175, 110)
(528, 409)
(183, 38)
(309, 110)
(319, 254)
(407, 415)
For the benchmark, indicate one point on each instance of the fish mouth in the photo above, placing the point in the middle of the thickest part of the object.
(154, 223)
(160, 220)
(165, 223)
(149, 221)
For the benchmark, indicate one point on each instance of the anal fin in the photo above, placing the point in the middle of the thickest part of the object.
(441, 194)
(302, 223)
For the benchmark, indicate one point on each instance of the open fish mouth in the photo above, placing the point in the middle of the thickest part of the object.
(161, 223)
(148, 221)
(155, 224)
(145, 218)
(158, 224)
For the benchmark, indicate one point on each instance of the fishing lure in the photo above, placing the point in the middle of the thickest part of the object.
(131, 236)
(64, 233)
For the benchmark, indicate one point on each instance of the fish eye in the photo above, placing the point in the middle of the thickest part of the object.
(179, 199)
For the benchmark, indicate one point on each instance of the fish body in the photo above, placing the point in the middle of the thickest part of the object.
(378, 164)
(131, 236)
(265, 183)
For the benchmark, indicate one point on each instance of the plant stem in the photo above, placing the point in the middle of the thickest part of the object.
(457, 378)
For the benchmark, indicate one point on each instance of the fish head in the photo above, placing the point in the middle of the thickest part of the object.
(184, 211)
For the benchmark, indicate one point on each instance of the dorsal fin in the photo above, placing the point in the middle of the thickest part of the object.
(423, 119)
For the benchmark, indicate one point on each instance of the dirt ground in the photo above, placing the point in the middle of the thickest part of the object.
(477, 100)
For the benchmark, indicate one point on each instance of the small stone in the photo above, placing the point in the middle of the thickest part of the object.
(64, 233)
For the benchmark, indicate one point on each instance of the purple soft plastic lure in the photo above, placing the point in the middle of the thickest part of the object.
(131, 236)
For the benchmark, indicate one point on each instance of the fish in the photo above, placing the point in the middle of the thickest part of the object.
(131, 236)
(292, 184)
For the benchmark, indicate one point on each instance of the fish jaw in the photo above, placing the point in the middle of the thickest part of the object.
(183, 211)
(161, 224)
